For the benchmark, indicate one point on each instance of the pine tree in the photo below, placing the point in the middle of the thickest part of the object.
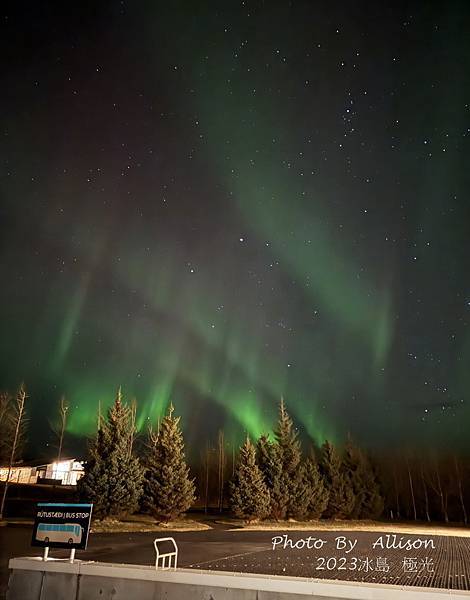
(353, 468)
(249, 495)
(368, 501)
(293, 485)
(374, 502)
(113, 475)
(318, 492)
(94, 485)
(168, 489)
(270, 464)
(341, 496)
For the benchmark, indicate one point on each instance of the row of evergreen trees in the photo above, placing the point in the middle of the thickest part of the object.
(118, 482)
(273, 480)
(429, 486)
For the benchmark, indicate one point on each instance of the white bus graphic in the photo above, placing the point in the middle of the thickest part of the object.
(70, 533)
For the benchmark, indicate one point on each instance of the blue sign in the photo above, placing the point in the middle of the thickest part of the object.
(59, 525)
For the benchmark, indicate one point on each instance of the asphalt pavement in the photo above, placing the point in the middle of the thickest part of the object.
(424, 560)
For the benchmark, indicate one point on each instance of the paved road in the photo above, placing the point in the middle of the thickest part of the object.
(444, 563)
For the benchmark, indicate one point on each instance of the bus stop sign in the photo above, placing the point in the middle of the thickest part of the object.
(61, 525)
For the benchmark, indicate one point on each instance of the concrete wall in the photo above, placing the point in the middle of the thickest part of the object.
(33, 579)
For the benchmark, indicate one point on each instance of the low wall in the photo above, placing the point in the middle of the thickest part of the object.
(34, 579)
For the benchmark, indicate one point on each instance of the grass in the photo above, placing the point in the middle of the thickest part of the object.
(144, 523)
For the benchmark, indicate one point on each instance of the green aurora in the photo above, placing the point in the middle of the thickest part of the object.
(230, 219)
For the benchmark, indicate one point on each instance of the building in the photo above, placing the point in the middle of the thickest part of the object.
(19, 474)
(65, 472)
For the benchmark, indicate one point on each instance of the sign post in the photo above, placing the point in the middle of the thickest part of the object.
(59, 525)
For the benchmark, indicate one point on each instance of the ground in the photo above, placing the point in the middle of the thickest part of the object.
(144, 523)
(229, 548)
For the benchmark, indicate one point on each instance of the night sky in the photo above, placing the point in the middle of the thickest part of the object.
(220, 203)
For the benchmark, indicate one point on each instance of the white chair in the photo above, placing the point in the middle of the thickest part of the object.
(166, 564)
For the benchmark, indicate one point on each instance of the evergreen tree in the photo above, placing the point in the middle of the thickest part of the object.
(341, 496)
(249, 495)
(293, 485)
(113, 475)
(168, 489)
(300, 493)
(270, 464)
(368, 503)
(318, 492)
(353, 469)
(374, 502)
(94, 485)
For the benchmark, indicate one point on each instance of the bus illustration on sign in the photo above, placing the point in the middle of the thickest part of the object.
(70, 533)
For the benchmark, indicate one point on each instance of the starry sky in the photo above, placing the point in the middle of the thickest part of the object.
(220, 203)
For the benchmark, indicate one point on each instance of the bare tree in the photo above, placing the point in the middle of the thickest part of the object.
(18, 420)
(59, 430)
(207, 467)
(459, 484)
(221, 468)
(425, 492)
(435, 482)
(5, 425)
(396, 492)
(410, 479)
(58, 427)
